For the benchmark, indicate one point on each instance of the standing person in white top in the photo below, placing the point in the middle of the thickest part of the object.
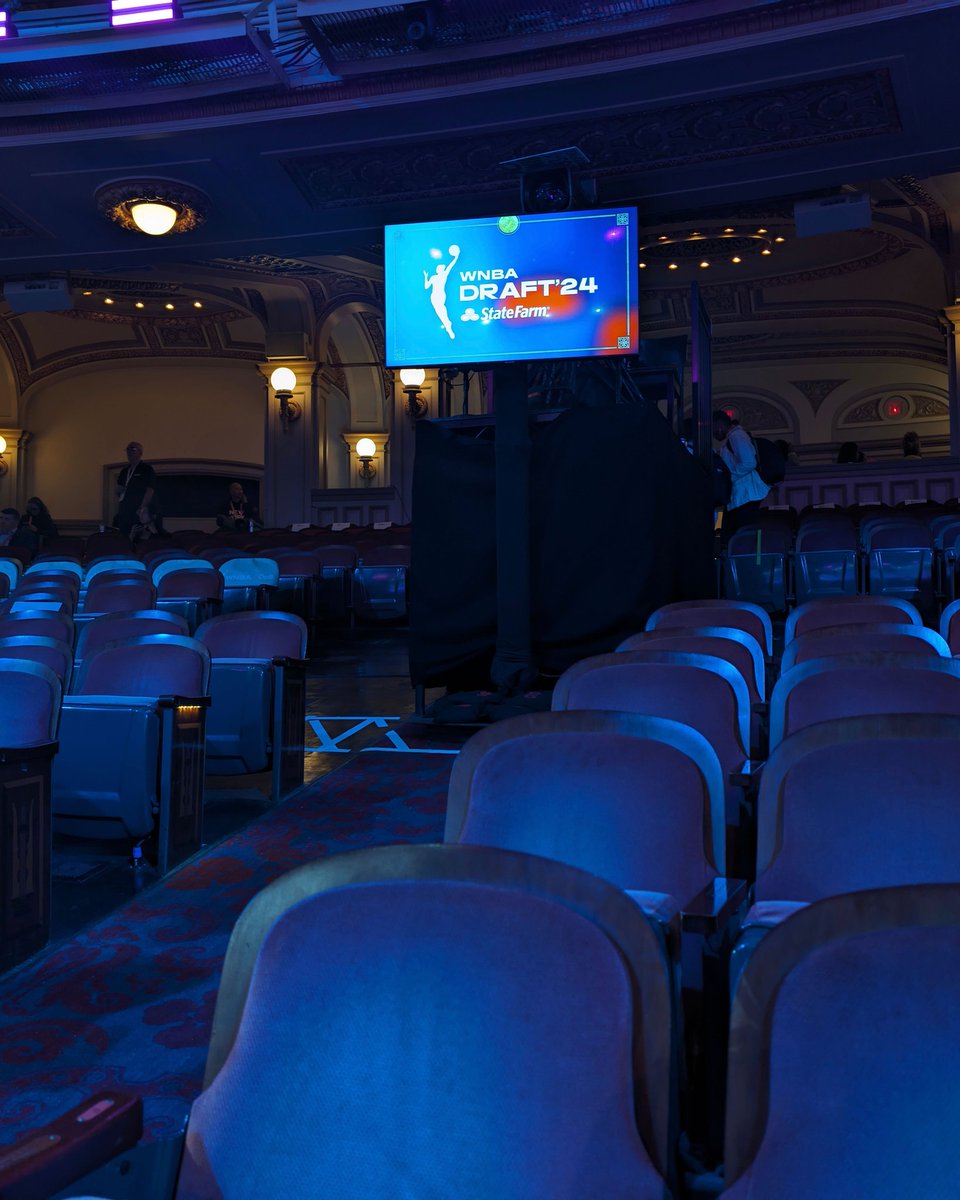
(737, 449)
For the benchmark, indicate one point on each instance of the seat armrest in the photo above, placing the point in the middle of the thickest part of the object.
(714, 907)
(286, 661)
(52, 1157)
(10, 754)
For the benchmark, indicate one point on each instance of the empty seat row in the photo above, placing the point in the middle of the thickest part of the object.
(468, 1021)
(896, 555)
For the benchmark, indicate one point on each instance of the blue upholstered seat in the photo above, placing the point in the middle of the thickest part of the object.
(848, 610)
(850, 804)
(635, 799)
(845, 1052)
(49, 652)
(132, 734)
(897, 637)
(859, 685)
(118, 626)
(258, 695)
(449, 1021)
(737, 614)
(248, 582)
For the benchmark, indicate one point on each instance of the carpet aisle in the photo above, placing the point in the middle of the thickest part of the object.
(129, 1002)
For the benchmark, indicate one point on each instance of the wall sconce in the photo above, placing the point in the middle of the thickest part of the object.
(366, 449)
(411, 379)
(4, 465)
(283, 381)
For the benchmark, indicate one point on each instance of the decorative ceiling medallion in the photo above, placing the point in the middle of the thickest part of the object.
(706, 246)
(189, 206)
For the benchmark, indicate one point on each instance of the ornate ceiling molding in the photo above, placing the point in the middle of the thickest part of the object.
(808, 114)
(815, 391)
(721, 31)
(867, 408)
(759, 410)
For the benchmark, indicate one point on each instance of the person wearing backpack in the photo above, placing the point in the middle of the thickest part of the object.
(739, 452)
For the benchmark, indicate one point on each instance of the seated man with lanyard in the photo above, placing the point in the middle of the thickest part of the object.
(238, 512)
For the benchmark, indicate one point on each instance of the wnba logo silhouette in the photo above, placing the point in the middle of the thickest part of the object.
(436, 284)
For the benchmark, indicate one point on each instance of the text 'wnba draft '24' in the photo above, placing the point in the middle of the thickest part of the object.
(493, 289)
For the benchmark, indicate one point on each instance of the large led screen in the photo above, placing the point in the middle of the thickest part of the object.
(494, 289)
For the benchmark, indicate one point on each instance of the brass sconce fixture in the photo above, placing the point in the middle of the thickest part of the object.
(366, 449)
(411, 380)
(283, 381)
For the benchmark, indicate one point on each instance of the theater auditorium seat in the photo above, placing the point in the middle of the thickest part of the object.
(117, 595)
(248, 582)
(132, 738)
(29, 715)
(380, 583)
(756, 566)
(898, 560)
(738, 614)
(258, 696)
(118, 626)
(334, 590)
(895, 638)
(699, 690)
(848, 610)
(438, 1020)
(49, 652)
(845, 1052)
(860, 685)
(851, 804)
(637, 800)
(826, 558)
(739, 649)
(40, 621)
(195, 591)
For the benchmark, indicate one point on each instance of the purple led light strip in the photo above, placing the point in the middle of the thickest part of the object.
(139, 12)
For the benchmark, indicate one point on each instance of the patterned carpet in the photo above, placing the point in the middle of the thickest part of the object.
(129, 1002)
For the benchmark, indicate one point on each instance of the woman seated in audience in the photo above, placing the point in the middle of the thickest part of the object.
(37, 518)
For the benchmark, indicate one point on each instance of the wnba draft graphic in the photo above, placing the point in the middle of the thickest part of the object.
(437, 284)
(543, 285)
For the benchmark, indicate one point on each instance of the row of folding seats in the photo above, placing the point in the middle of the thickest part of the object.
(829, 552)
(110, 541)
(321, 583)
(580, 786)
(123, 732)
(482, 981)
(520, 1020)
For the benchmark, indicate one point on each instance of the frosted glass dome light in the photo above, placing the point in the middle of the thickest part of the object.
(154, 217)
(283, 380)
(412, 377)
(366, 448)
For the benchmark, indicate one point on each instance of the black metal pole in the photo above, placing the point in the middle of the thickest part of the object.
(513, 667)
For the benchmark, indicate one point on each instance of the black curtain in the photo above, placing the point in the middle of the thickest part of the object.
(621, 522)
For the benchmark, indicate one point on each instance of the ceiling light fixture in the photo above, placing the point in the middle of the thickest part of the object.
(153, 206)
(699, 247)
